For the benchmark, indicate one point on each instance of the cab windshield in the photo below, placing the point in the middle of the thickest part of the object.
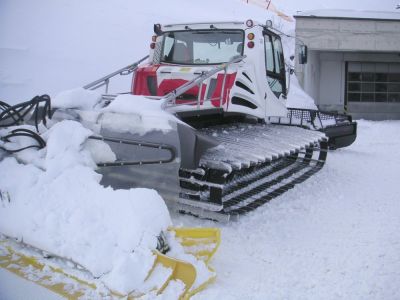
(201, 47)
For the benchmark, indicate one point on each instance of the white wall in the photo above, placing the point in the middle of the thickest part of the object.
(348, 34)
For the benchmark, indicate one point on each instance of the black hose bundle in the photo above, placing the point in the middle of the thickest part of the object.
(11, 115)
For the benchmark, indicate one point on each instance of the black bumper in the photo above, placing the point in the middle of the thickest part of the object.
(341, 135)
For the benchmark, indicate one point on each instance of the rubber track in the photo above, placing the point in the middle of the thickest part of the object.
(258, 179)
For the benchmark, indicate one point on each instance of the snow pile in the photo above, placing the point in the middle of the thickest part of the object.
(77, 98)
(136, 114)
(57, 204)
(125, 114)
(297, 97)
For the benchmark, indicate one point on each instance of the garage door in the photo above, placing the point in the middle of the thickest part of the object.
(372, 90)
(373, 82)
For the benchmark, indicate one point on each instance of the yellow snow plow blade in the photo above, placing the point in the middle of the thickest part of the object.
(182, 271)
(74, 283)
(202, 243)
(32, 269)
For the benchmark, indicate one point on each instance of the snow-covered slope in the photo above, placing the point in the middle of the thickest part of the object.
(48, 46)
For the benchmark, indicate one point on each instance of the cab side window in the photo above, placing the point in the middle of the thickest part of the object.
(275, 64)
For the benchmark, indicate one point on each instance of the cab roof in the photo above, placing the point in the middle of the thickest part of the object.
(211, 25)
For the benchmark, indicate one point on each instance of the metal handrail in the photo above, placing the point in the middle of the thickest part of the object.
(106, 79)
(170, 98)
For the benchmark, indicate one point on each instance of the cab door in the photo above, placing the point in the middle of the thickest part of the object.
(275, 74)
(275, 64)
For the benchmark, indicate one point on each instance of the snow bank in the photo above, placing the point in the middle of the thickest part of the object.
(126, 113)
(58, 205)
(78, 98)
(297, 97)
(136, 114)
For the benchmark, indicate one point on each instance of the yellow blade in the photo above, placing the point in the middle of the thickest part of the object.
(182, 271)
(32, 269)
(201, 242)
(25, 266)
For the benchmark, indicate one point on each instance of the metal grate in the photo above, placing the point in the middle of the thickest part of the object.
(310, 118)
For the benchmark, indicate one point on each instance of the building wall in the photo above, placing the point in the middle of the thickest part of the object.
(332, 43)
(349, 35)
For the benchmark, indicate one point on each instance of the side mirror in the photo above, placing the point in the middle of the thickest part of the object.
(157, 29)
(303, 55)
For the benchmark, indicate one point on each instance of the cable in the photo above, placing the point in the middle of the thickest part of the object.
(11, 115)
(40, 143)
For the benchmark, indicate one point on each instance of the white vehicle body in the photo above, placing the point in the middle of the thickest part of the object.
(245, 88)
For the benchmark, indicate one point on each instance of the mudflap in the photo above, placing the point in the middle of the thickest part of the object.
(68, 279)
(341, 135)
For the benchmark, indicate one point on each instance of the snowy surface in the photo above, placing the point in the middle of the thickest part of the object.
(136, 114)
(126, 113)
(58, 205)
(335, 236)
(77, 98)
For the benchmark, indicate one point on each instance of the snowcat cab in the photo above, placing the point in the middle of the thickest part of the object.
(254, 86)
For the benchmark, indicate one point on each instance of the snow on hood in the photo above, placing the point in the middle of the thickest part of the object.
(57, 204)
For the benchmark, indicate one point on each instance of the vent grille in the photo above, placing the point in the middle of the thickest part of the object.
(243, 102)
(242, 86)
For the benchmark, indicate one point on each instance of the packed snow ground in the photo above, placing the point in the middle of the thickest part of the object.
(336, 236)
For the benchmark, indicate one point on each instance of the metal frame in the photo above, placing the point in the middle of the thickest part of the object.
(166, 147)
(104, 81)
(170, 98)
(309, 116)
